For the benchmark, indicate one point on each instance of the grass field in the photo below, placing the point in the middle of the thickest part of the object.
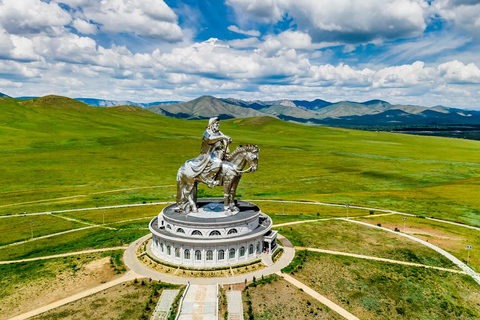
(451, 238)
(377, 290)
(348, 237)
(60, 154)
(18, 228)
(92, 238)
(280, 300)
(28, 285)
(116, 214)
(134, 300)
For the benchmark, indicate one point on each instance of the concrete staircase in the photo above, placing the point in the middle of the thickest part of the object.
(266, 259)
(199, 303)
(162, 310)
(235, 305)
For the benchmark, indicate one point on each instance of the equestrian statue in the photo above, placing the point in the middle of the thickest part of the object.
(215, 166)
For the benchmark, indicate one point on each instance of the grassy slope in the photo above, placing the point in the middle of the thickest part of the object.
(377, 290)
(55, 147)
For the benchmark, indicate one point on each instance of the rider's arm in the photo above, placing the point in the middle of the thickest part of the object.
(215, 137)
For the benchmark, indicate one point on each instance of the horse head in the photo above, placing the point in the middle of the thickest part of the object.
(252, 157)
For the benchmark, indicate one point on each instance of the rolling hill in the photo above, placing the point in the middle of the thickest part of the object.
(58, 153)
(320, 112)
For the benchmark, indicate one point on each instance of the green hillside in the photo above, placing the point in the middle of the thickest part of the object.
(58, 153)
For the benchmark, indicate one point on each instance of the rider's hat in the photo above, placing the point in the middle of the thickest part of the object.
(212, 121)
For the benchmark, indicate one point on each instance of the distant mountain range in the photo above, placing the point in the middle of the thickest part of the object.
(109, 103)
(321, 112)
(317, 112)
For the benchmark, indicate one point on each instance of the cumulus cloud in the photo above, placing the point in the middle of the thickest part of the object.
(457, 72)
(349, 21)
(149, 18)
(84, 27)
(464, 14)
(32, 16)
(252, 33)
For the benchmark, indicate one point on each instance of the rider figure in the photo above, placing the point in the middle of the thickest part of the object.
(215, 147)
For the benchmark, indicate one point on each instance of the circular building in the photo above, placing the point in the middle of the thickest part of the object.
(212, 237)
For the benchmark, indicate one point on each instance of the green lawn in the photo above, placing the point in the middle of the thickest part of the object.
(451, 238)
(92, 238)
(378, 290)
(54, 148)
(349, 237)
(18, 228)
(116, 214)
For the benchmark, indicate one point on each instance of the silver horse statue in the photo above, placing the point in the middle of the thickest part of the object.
(228, 176)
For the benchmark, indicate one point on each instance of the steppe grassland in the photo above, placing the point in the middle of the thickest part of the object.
(378, 290)
(451, 238)
(19, 228)
(125, 301)
(91, 238)
(279, 299)
(55, 147)
(343, 236)
(29, 285)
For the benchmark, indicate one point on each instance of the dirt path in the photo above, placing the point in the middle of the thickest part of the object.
(64, 254)
(79, 195)
(325, 219)
(340, 253)
(88, 209)
(447, 255)
(129, 276)
(332, 305)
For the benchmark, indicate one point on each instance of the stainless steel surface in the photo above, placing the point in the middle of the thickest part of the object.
(214, 167)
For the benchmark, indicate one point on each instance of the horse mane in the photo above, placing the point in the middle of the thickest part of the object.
(251, 148)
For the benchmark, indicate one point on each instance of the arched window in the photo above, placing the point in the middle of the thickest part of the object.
(242, 251)
(169, 252)
(169, 227)
(232, 231)
(161, 246)
(215, 233)
(231, 254)
(186, 254)
(177, 253)
(221, 255)
(196, 233)
(210, 255)
(180, 230)
(198, 255)
(250, 249)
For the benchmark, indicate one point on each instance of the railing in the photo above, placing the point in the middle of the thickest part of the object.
(181, 301)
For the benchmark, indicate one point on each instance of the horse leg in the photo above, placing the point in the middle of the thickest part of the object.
(233, 192)
(191, 197)
(226, 194)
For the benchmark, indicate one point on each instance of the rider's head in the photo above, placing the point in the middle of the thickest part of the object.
(214, 124)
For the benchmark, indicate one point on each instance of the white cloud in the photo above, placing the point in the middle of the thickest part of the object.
(345, 20)
(150, 18)
(84, 27)
(31, 16)
(252, 33)
(464, 14)
(457, 72)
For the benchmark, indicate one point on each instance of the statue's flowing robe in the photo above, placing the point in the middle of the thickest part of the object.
(208, 155)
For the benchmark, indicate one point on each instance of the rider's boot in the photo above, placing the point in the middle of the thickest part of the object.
(211, 181)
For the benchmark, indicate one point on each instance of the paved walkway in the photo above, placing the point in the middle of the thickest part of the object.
(235, 305)
(162, 310)
(447, 255)
(379, 259)
(129, 276)
(199, 303)
(132, 262)
(332, 305)
(64, 255)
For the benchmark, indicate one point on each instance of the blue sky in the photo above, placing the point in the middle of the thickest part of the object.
(402, 51)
